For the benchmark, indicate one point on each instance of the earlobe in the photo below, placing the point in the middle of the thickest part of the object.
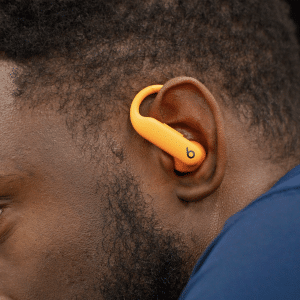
(186, 105)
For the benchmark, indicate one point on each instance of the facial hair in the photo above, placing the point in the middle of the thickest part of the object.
(143, 261)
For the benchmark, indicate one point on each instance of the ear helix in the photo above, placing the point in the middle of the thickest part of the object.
(188, 155)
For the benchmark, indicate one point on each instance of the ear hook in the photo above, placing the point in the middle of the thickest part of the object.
(188, 155)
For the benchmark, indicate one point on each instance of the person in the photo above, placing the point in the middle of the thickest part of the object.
(89, 209)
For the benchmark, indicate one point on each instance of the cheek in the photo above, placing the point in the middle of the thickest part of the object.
(51, 253)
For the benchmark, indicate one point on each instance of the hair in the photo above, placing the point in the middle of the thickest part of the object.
(91, 56)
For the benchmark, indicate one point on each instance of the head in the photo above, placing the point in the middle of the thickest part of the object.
(88, 208)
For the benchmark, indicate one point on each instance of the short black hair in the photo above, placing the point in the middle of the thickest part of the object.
(87, 54)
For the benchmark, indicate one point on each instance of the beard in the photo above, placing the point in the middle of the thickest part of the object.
(142, 261)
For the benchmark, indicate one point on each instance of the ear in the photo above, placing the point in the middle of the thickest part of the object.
(186, 105)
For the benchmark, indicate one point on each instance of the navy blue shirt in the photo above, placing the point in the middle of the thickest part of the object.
(257, 254)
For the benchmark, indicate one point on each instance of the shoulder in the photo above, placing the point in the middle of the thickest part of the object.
(256, 256)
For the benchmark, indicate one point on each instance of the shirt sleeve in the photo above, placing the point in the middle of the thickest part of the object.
(256, 256)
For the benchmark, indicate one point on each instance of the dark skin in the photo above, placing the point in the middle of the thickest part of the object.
(73, 229)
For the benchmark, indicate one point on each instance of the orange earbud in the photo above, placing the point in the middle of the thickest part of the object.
(188, 155)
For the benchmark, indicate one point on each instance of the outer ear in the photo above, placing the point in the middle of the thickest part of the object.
(186, 105)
